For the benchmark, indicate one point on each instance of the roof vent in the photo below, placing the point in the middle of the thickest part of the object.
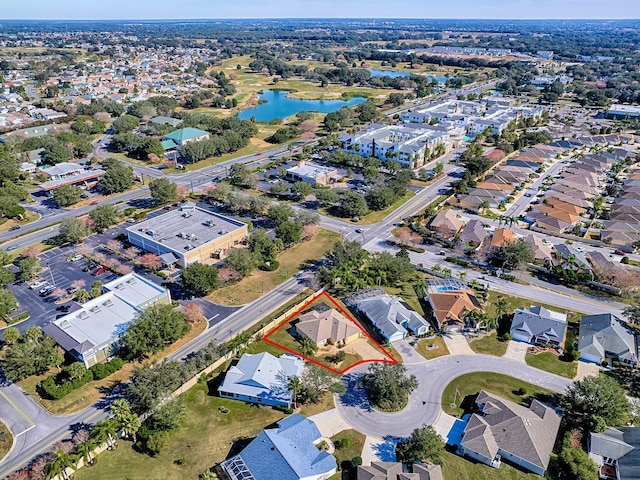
(108, 303)
(95, 309)
(83, 315)
(131, 281)
(64, 324)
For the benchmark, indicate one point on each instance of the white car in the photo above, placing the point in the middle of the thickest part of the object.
(37, 284)
(581, 249)
(76, 257)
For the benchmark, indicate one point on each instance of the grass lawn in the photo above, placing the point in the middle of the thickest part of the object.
(291, 261)
(205, 439)
(91, 392)
(489, 345)
(6, 440)
(406, 291)
(458, 468)
(430, 353)
(470, 384)
(354, 449)
(551, 363)
(514, 302)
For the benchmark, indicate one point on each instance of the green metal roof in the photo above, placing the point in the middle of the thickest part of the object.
(179, 136)
(168, 144)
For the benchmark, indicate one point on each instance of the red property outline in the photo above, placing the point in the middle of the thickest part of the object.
(348, 315)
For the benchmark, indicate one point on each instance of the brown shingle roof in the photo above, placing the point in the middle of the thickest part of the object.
(452, 305)
(322, 326)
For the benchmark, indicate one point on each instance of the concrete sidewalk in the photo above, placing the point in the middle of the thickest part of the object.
(330, 423)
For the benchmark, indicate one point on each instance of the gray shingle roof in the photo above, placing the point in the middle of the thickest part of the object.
(526, 433)
(540, 322)
(390, 315)
(606, 333)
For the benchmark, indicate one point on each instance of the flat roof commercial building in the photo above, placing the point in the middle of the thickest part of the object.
(92, 331)
(188, 234)
(312, 173)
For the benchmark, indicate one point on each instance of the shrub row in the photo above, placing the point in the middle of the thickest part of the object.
(411, 248)
(457, 261)
(57, 386)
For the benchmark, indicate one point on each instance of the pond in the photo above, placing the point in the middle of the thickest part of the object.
(399, 73)
(278, 105)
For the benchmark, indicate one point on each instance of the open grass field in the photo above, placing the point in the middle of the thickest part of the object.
(462, 388)
(205, 439)
(489, 345)
(6, 440)
(353, 449)
(291, 261)
(552, 363)
(438, 347)
(91, 392)
(458, 468)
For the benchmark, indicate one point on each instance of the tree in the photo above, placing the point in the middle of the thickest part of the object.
(424, 445)
(29, 268)
(516, 254)
(500, 306)
(156, 442)
(238, 174)
(301, 190)
(28, 357)
(127, 420)
(125, 124)
(152, 329)
(241, 260)
(73, 230)
(8, 302)
(388, 386)
(82, 295)
(58, 465)
(575, 464)
(262, 247)
(169, 416)
(290, 232)
(307, 347)
(117, 178)
(396, 99)
(632, 313)
(11, 335)
(85, 452)
(280, 214)
(200, 279)
(595, 402)
(105, 431)
(295, 385)
(104, 216)
(352, 205)
(307, 217)
(150, 261)
(75, 370)
(193, 313)
(67, 195)
(317, 381)
(163, 191)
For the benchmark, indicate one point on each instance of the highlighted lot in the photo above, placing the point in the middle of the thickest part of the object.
(325, 333)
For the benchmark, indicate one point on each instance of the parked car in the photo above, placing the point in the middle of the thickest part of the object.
(99, 271)
(72, 290)
(581, 249)
(15, 227)
(131, 220)
(75, 258)
(47, 288)
(38, 284)
(619, 252)
(64, 308)
(12, 247)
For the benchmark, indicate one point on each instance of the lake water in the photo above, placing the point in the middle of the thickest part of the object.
(278, 105)
(400, 73)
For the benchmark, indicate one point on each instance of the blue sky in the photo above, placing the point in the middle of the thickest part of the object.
(172, 9)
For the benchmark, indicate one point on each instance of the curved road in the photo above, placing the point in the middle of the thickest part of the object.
(425, 402)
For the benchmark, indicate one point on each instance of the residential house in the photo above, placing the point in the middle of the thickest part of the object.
(506, 430)
(473, 234)
(450, 307)
(329, 327)
(395, 471)
(262, 378)
(539, 326)
(541, 251)
(606, 337)
(616, 451)
(288, 452)
(502, 237)
(391, 317)
(446, 224)
(174, 122)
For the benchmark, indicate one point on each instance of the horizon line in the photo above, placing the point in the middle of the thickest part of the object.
(316, 18)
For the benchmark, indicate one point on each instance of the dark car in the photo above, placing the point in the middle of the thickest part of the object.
(15, 227)
(619, 252)
(63, 308)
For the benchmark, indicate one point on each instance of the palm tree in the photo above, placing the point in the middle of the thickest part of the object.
(105, 431)
(57, 467)
(295, 385)
(462, 276)
(130, 425)
(446, 272)
(307, 347)
(484, 205)
(85, 452)
(501, 307)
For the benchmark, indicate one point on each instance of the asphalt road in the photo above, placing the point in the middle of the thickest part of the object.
(425, 403)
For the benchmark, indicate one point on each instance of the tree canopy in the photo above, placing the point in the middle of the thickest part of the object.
(388, 386)
(424, 445)
(200, 279)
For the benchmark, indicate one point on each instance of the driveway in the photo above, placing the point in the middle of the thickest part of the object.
(517, 351)
(457, 343)
(407, 352)
(425, 402)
